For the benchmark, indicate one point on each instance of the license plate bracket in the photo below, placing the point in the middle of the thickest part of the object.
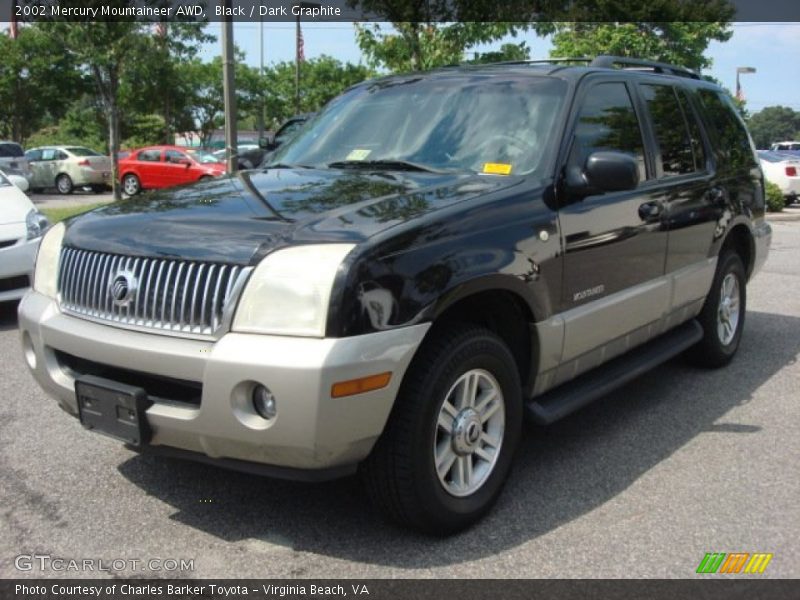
(113, 409)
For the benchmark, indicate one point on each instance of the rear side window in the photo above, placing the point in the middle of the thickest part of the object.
(149, 155)
(607, 121)
(698, 147)
(733, 143)
(11, 150)
(672, 134)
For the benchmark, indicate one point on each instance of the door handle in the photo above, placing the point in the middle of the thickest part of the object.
(650, 211)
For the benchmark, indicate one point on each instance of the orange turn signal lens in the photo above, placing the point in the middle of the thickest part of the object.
(361, 385)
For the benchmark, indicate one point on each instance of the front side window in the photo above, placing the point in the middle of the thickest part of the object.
(607, 122)
(672, 134)
(173, 156)
(461, 122)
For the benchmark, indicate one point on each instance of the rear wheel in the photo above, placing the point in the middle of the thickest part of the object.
(64, 184)
(722, 317)
(131, 184)
(449, 443)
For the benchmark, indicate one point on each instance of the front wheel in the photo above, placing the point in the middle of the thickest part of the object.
(131, 184)
(448, 446)
(722, 317)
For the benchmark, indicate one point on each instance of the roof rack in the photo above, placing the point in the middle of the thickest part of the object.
(609, 62)
(544, 61)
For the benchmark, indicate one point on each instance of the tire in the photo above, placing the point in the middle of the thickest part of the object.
(720, 342)
(131, 184)
(64, 184)
(400, 474)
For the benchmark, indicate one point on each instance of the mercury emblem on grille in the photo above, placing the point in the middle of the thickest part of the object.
(123, 288)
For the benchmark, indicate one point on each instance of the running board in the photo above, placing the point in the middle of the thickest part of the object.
(569, 397)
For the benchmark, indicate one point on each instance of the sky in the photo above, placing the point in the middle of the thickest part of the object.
(771, 48)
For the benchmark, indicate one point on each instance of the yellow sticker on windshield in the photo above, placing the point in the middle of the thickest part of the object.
(358, 154)
(497, 168)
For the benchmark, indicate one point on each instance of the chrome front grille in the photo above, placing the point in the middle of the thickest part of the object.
(180, 296)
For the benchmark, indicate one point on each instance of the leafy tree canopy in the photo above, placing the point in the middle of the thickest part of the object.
(774, 124)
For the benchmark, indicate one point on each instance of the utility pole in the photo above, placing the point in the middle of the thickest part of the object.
(299, 52)
(262, 111)
(229, 90)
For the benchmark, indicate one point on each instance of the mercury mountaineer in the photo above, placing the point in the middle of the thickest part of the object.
(432, 257)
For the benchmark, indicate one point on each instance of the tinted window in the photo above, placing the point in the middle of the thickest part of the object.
(174, 156)
(698, 147)
(733, 143)
(670, 130)
(33, 155)
(607, 121)
(10, 150)
(61, 155)
(149, 155)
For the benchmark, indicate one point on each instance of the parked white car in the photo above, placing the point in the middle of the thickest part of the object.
(783, 170)
(67, 168)
(21, 228)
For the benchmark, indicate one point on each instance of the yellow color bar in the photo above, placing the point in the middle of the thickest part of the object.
(361, 385)
(758, 563)
(497, 168)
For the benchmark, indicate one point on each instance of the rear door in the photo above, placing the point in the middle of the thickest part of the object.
(148, 166)
(693, 205)
(614, 243)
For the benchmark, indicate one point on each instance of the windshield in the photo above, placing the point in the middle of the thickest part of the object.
(10, 150)
(77, 151)
(203, 157)
(465, 122)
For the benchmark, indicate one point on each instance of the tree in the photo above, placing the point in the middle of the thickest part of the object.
(417, 46)
(680, 43)
(37, 83)
(321, 79)
(507, 52)
(774, 124)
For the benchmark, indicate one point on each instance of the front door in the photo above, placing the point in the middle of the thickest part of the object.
(614, 243)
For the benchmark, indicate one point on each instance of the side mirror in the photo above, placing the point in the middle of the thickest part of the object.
(605, 171)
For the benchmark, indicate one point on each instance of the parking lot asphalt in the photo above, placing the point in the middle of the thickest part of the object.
(642, 483)
(77, 198)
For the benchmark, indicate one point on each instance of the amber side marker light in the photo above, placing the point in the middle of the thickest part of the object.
(360, 385)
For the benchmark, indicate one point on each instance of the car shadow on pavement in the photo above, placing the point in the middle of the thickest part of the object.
(8, 315)
(562, 472)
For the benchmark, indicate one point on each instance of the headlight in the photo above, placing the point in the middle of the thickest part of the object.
(45, 277)
(36, 223)
(289, 291)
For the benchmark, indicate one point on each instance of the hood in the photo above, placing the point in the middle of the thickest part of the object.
(238, 219)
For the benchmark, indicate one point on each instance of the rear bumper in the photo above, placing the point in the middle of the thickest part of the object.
(311, 429)
(92, 177)
(762, 236)
(16, 265)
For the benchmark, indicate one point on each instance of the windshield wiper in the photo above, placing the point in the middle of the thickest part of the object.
(390, 164)
(287, 166)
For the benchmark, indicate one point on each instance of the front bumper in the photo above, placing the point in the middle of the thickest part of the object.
(16, 264)
(311, 429)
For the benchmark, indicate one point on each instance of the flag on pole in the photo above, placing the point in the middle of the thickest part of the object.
(301, 55)
(160, 29)
(13, 31)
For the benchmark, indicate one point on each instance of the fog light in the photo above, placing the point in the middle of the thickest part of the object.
(264, 402)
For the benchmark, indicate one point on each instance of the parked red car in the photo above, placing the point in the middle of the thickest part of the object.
(166, 166)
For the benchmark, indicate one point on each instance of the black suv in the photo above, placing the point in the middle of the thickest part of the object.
(437, 255)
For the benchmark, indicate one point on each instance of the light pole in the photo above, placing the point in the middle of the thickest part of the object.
(229, 91)
(261, 113)
(742, 71)
(297, 56)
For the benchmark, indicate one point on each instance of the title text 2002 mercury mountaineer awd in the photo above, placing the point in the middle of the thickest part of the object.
(431, 257)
